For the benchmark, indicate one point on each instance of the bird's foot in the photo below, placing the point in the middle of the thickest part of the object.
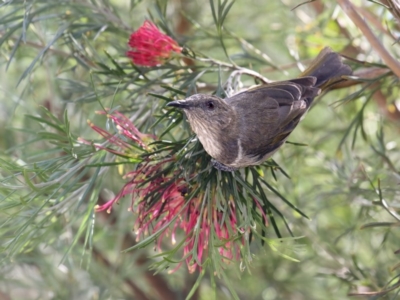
(222, 167)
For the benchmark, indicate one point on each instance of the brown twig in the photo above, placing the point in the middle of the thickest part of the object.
(303, 3)
(394, 7)
(183, 26)
(391, 112)
(318, 6)
(4, 296)
(365, 73)
(352, 13)
(139, 294)
(375, 21)
(380, 293)
(350, 49)
(157, 282)
(39, 46)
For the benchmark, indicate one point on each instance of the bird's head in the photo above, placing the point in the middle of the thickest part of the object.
(206, 114)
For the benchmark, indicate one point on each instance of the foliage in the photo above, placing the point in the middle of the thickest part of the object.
(316, 222)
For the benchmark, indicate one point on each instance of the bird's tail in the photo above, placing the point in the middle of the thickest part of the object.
(328, 68)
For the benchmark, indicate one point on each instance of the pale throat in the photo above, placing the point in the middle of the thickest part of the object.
(209, 139)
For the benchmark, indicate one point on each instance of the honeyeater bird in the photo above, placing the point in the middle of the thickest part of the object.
(247, 128)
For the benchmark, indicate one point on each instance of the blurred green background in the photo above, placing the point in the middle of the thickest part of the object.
(342, 179)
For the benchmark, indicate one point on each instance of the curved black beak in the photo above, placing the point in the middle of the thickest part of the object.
(179, 104)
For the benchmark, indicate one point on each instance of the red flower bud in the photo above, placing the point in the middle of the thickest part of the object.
(150, 47)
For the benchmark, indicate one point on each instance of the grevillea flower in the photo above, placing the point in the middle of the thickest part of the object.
(150, 47)
(125, 128)
(160, 202)
(171, 212)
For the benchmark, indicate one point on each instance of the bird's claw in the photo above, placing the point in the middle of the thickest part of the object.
(222, 167)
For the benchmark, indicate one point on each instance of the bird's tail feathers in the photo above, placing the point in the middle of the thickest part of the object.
(328, 68)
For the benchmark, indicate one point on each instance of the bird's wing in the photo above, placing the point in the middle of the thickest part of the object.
(269, 113)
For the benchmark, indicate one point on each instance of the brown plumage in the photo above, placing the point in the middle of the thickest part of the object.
(247, 128)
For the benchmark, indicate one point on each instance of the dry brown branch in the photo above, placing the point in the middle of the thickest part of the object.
(349, 50)
(136, 291)
(389, 111)
(365, 73)
(4, 296)
(380, 293)
(158, 284)
(372, 19)
(352, 13)
(394, 7)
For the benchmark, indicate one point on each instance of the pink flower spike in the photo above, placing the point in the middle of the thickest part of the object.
(150, 47)
(262, 211)
(159, 201)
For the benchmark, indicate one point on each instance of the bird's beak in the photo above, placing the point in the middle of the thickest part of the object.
(179, 104)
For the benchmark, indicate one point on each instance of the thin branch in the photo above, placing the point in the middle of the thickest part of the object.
(4, 296)
(303, 3)
(157, 282)
(351, 12)
(376, 22)
(391, 112)
(379, 293)
(39, 46)
(135, 289)
(394, 7)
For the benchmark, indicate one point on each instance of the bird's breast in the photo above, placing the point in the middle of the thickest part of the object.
(221, 147)
(211, 145)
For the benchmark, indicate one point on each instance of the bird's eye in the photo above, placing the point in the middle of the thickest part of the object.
(210, 105)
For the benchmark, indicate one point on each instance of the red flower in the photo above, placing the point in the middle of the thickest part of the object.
(159, 201)
(150, 47)
(172, 212)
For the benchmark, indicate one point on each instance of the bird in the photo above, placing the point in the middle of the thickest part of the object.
(249, 127)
